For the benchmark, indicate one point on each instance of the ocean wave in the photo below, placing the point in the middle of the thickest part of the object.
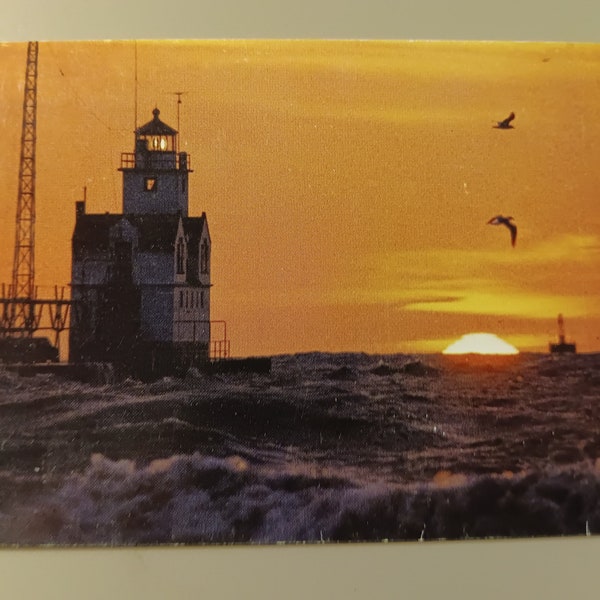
(340, 447)
(203, 499)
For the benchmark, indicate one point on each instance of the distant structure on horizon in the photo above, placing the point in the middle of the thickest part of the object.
(562, 347)
(141, 279)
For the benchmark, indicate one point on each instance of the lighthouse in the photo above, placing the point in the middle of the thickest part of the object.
(141, 279)
(155, 176)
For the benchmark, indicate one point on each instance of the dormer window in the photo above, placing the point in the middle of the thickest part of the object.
(180, 257)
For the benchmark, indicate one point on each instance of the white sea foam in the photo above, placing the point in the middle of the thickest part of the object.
(330, 447)
(203, 499)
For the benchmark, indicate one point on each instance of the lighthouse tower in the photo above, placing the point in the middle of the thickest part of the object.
(141, 279)
(155, 177)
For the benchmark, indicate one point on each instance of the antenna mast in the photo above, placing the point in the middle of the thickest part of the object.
(23, 273)
(178, 94)
(21, 310)
(135, 94)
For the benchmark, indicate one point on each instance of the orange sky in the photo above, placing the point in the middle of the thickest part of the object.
(347, 184)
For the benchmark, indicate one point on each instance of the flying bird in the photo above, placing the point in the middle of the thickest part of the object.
(506, 221)
(506, 123)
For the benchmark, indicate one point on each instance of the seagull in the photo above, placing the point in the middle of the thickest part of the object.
(500, 220)
(506, 123)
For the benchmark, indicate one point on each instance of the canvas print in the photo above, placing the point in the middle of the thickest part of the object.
(265, 291)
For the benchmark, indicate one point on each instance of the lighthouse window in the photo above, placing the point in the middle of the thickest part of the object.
(150, 184)
(159, 142)
(204, 257)
(180, 257)
(180, 299)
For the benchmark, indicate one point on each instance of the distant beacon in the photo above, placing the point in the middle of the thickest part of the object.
(141, 279)
(563, 347)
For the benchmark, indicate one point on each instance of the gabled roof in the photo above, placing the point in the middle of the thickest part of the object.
(193, 227)
(156, 232)
(155, 127)
(92, 230)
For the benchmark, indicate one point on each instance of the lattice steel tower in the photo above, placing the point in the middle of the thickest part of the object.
(23, 288)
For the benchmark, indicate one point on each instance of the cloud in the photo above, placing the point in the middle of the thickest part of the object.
(555, 275)
(567, 247)
(514, 304)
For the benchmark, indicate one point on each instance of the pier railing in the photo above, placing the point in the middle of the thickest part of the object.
(155, 160)
(219, 350)
(22, 317)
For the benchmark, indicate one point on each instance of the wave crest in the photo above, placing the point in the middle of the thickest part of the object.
(204, 499)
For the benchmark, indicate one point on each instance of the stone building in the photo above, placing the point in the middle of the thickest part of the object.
(141, 279)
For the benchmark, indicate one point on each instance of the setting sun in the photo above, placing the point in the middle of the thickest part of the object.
(480, 343)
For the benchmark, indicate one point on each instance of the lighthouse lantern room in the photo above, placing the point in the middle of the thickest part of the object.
(155, 176)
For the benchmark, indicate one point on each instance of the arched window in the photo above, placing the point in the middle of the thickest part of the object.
(204, 257)
(180, 257)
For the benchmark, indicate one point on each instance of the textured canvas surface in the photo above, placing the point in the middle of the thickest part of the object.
(359, 196)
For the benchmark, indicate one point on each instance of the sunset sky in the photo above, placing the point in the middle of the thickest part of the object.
(347, 184)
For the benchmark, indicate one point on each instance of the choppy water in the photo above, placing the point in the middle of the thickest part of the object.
(327, 447)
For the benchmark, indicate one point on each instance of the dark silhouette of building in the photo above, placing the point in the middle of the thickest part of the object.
(563, 347)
